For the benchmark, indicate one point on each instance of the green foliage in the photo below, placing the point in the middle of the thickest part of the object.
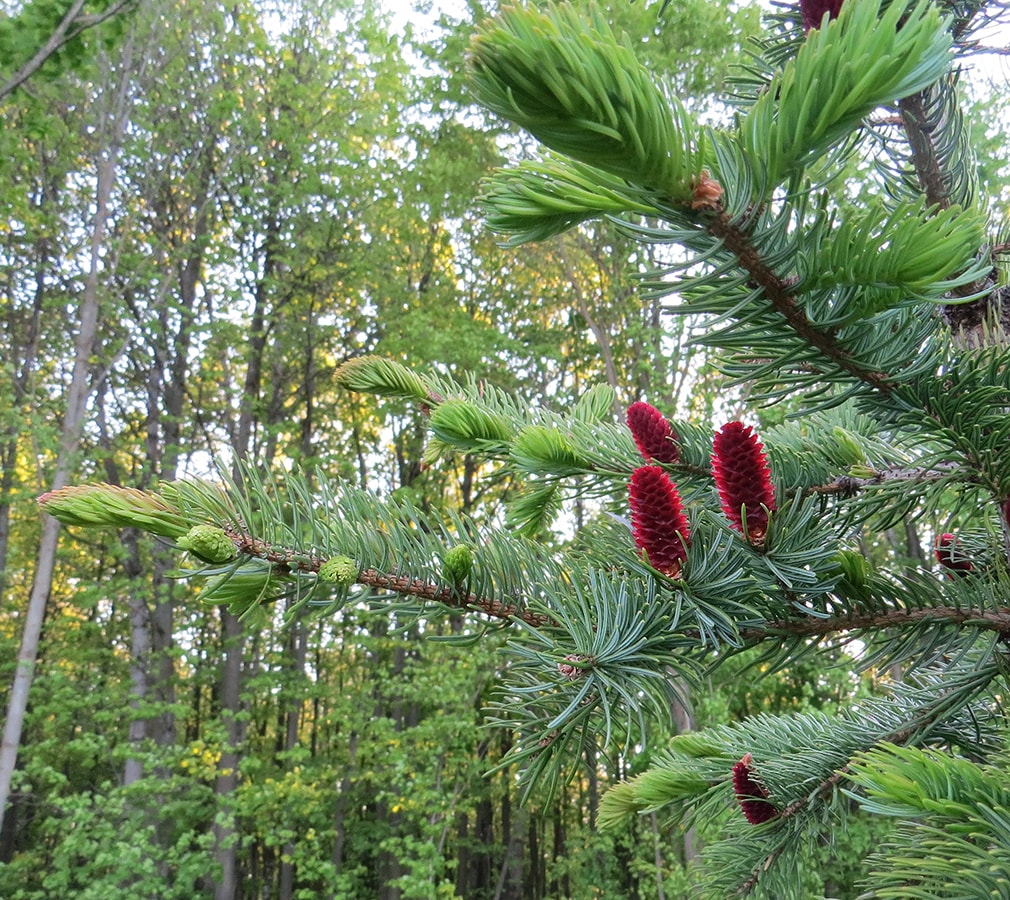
(101, 845)
(954, 834)
(611, 115)
(874, 54)
(31, 29)
(861, 299)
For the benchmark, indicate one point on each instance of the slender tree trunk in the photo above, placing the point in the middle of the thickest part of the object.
(340, 812)
(297, 652)
(559, 850)
(683, 721)
(225, 837)
(510, 878)
(152, 667)
(658, 855)
(73, 424)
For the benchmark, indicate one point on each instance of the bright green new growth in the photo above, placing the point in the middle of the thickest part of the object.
(566, 78)
(862, 59)
(537, 200)
(906, 250)
(111, 506)
(955, 837)
(462, 422)
(384, 377)
(243, 589)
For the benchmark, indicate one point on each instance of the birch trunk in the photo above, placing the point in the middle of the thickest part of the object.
(73, 421)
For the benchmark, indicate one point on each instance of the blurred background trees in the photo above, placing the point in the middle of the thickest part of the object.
(207, 209)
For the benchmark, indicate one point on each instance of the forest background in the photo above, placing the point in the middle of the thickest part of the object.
(207, 209)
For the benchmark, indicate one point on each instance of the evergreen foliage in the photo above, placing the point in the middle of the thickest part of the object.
(876, 312)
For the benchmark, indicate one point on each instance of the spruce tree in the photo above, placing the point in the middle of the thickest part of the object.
(845, 257)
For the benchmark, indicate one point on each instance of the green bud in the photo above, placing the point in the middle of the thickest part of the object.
(457, 564)
(853, 567)
(848, 444)
(209, 543)
(339, 570)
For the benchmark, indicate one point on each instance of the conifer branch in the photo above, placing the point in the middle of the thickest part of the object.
(289, 561)
(778, 292)
(824, 789)
(850, 485)
(922, 129)
(990, 620)
(925, 161)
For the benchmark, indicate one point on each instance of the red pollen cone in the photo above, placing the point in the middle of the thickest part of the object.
(813, 11)
(653, 434)
(741, 473)
(950, 555)
(658, 524)
(751, 794)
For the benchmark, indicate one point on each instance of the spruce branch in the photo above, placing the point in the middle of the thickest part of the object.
(875, 55)
(779, 293)
(997, 621)
(577, 87)
(286, 561)
(925, 159)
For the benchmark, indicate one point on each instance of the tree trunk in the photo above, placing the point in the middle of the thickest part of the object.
(225, 836)
(510, 878)
(297, 651)
(339, 812)
(683, 721)
(73, 423)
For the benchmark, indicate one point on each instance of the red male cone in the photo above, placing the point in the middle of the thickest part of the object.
(751, 794)
(653, 434)
(741, 474)
(658, 523)
(813, 11)
(951, 556)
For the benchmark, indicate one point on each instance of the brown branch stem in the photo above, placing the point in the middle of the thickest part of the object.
(779, 293)
(851, 484)
(991, 620)
(293, 561)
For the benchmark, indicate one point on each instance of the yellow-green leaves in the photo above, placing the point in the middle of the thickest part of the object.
(537, 200)
(376, 375)
(563, 75)
(860, 60)
(910, 251)
(110, 506)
